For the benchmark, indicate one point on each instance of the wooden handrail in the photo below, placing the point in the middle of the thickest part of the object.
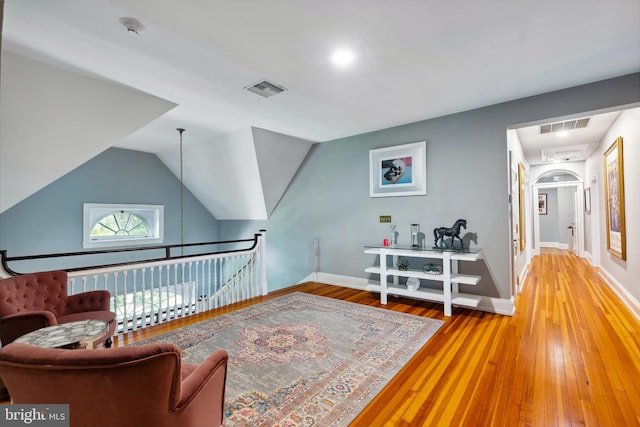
(5, 260)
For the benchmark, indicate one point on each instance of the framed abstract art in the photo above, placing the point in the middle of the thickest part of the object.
(398, 171)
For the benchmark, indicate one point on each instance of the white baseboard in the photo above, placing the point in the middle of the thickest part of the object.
(522, 277)
(556, 245)
(492, 305)
(586, 255)
(624, 295)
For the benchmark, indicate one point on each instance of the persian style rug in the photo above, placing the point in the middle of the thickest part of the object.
(302, 359)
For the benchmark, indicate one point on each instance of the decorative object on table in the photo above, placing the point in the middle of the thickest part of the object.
(413, 284)
(614, 199)
(440, 233)
(403, 264)
(432, 269)
(392, 241)
(398, 171)
(415, 233)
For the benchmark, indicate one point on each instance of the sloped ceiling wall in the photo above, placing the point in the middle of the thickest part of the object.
(241, 175)
(53, 120)
(279, 157)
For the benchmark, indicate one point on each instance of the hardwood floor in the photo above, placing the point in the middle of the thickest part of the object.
(570, 356)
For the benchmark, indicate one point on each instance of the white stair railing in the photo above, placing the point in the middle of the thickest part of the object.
(147, 293)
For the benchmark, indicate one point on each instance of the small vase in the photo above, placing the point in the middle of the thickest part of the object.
(392, 240)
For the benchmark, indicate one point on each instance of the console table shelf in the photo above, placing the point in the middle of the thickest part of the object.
(449, 294)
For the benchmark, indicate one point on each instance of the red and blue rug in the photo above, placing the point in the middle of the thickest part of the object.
(304, 360)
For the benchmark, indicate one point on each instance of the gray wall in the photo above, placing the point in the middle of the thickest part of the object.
(467, 176)
(50, 221)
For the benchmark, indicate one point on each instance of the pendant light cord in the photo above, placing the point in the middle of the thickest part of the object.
(181, 197)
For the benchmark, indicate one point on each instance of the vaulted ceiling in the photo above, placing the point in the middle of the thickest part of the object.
(189, 66)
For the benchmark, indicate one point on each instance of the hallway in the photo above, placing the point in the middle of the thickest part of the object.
(579, 347)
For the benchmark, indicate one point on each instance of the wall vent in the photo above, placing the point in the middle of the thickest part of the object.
(566, 125)
(265, 88)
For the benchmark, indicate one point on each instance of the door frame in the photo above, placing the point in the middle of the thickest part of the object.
(579, 186)
(514, 232)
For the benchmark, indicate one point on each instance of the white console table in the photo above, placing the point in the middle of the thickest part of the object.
(449, 295)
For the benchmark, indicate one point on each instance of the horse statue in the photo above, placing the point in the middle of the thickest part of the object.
(453, 232)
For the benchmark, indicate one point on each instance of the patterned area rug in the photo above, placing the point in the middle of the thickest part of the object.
(304, 360)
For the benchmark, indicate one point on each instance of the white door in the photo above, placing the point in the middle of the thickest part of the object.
(574, 224)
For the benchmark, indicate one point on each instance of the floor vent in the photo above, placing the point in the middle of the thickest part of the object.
(265, 88)
(566, 125)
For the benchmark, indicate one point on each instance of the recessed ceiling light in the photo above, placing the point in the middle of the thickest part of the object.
(343, 58)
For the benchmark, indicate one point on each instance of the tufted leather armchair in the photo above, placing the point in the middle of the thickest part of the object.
(142, 386)
(33, 301)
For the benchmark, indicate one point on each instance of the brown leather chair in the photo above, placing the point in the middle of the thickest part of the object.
(33, 301)
(143, 386)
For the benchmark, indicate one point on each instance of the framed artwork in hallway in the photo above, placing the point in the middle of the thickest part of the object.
(587, 200)
(614, 199)
(542, 203)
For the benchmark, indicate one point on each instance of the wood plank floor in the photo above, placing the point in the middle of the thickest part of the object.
(569, 357)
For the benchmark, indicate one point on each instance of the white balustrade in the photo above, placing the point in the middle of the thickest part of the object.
(148, 293)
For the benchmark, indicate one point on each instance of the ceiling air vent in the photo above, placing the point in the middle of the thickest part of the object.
(566, 125)
(265, 88)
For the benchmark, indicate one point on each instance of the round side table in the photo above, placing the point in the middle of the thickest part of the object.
(78, 334)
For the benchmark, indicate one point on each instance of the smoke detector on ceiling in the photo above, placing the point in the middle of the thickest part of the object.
(132, 24)
(265, 88)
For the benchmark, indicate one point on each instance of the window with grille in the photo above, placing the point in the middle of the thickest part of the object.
(108, 225)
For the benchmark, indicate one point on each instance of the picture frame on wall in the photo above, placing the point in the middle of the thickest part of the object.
(542, 204)
(587, 200)
(614, 199)
(521, 205)
(398, 170)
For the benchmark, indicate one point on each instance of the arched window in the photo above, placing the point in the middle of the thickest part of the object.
(107, 225)
(121, 224)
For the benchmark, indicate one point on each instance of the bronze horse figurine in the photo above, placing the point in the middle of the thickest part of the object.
(453, 232)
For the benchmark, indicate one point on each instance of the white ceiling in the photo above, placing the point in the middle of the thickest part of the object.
(416, 59)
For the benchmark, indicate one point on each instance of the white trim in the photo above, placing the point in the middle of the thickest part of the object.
(492, 305)
(522, 276)
(589, 258)
(624, 295)
(579, 185)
